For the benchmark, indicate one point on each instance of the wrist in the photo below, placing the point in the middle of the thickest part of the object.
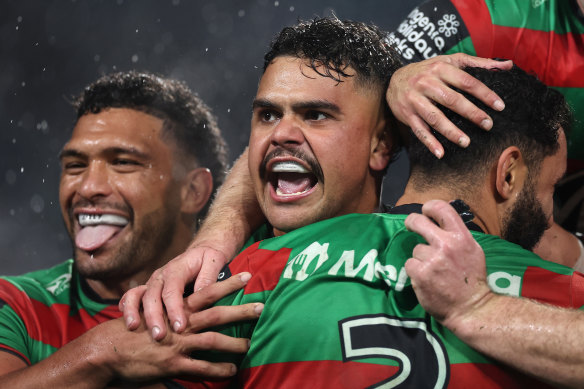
(467, 322)
(99, 353)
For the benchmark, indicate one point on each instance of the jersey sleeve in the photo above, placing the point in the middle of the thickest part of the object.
(517, 272)
(433, 28)
(13, 333)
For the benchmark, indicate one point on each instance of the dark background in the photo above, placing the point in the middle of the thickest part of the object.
(49, 50)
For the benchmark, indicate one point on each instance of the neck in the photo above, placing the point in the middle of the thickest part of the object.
(486, 216)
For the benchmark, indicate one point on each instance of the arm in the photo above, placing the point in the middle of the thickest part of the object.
(233, 216)
(109, 352)
(449, 278)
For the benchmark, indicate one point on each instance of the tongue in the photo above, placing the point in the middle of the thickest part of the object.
(289, 183)
(93, 237)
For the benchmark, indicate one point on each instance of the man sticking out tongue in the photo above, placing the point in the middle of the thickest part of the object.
(136, 177)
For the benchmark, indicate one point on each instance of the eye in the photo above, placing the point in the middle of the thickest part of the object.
(73, 166)
(316, 115)
(268, 115)
(125, 162)
(126, 165)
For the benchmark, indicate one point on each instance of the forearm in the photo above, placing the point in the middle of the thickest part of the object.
(235, 211)
(77, 365)
(540, 340)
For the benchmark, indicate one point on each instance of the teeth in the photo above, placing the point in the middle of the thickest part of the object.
(280, 193)
(289, 167)
(93, 219)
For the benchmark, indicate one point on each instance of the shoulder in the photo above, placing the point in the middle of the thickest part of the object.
(44, 284)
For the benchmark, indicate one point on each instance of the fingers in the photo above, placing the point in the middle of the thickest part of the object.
(213, 262)
(203, 369)
(215, 341)
(442, 213)
(461, 59)
(153, 309)
(422, 225)
(209, 295)
(424, 135)
(476, 88)
(416, 88)
(446, 217)
(130, 306)
(222, 315)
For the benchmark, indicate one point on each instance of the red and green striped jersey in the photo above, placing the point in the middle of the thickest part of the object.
(340, 311)
(44, 310)
(545, 37)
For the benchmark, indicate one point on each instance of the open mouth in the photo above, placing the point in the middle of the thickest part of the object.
(290, 178)
(97, 229)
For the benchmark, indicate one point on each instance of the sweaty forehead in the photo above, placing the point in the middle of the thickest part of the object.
(291, 76)
(117, 126)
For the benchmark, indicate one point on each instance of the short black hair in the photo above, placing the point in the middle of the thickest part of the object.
(531, 120)
(186, 117)
(337, 45)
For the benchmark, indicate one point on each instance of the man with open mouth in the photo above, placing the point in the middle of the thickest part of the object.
(340, 309)
(137, 174)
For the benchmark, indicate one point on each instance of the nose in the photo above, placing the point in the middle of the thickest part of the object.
(288, 132)
(95, 181)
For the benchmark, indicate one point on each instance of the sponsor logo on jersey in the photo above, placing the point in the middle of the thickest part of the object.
(368, 267)
(428, 31)
(59, 284)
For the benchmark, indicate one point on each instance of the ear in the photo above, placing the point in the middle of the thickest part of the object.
(511, 173)
(381, 150)
(196, 190)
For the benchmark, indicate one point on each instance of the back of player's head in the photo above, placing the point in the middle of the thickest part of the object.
(187, 119)
(531, 121)
(331, 46)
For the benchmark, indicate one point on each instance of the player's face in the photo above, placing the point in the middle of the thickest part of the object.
(313, 145)
(532, 212)
(118, 196)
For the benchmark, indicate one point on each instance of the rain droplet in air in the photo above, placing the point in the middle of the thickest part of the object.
(37, 204)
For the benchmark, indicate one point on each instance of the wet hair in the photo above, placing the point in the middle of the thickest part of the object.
(186, 117)
(531, 121)
(332, 45)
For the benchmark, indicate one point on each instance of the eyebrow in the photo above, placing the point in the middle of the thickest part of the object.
(110, 150)
(303, 105)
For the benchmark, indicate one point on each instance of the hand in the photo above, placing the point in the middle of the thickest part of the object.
(134, 356)
(169, 282)
(138, 357)
(416, 88)
(449, 273)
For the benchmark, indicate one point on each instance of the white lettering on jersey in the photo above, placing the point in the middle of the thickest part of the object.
(368, 267)
(421, 35)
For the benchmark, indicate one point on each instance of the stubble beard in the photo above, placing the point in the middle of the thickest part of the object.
(526, 222)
